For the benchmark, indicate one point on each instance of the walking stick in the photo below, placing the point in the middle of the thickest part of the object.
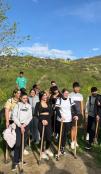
(61, 128)
(96, 132)
(42, 140)
(21, 172)
(75, 155)
(6, 154)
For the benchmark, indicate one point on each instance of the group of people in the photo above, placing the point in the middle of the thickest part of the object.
(49, 109)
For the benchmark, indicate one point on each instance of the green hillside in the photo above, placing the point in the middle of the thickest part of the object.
(86, 71)
(42, 71)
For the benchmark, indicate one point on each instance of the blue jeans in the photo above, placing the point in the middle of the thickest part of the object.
(34, 129)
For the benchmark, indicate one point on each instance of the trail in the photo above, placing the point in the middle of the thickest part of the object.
(84, 164)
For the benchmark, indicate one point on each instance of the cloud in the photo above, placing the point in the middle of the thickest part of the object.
(95, 49)
(88, 11)
(40, 50)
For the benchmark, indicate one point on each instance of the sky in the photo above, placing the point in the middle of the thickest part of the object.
(58, 28)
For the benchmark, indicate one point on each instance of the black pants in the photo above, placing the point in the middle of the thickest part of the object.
(65, 130)
(18, 145)
(47, 133)
(91, 128)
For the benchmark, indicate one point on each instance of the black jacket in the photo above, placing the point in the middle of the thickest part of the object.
(97, 107)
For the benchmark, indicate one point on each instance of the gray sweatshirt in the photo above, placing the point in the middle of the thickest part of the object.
(22, 114)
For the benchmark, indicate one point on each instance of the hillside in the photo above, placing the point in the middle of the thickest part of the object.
(86, 71)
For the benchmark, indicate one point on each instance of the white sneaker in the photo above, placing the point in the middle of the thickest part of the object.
(77, 144)
(25, 152)
(87, 137)
(44, 156)
(49, 153)
(72, 145)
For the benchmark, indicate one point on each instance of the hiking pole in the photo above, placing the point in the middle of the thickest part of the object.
(21, 172)
(75, 154)
(96, 132)
(6, 154)
(61, 128)
(54, 124)
(42, 140)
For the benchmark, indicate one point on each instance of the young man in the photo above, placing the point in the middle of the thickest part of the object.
(21, 81)
(90, 116)
(22, 115)
(97, 110)
(78, 100)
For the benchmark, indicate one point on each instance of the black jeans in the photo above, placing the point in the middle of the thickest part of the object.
(66, 128)
(91, 128)
(47, 134)
(18, 145)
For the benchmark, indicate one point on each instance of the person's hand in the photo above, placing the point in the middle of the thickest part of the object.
(45, 122)
(22, 129)
(99, 104)
(97, 118)
(75, 118)
(24, 125)
(7, 124)
(62, 119)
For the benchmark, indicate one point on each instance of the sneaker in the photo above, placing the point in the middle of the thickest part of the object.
(87, 137)
(25, 152)
(49, 153)
(14, 166)
(44, 156)
(62, 150)
(77, 144)
(88, 147)
(72, 145)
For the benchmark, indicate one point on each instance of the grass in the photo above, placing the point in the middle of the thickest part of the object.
(86, 71)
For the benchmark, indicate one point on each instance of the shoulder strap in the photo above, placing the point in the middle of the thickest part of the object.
(70, 101)
(90, 100)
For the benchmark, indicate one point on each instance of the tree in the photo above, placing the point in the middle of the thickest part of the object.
(9, 41)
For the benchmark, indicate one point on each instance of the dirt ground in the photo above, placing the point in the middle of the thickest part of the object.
(84, 164)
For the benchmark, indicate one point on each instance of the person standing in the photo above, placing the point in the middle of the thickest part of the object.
(21, 81)
(33, 99)
(43, 113)
(90, 116)
(78, 100)
(66, 112)
(22, 115)
(9, 106)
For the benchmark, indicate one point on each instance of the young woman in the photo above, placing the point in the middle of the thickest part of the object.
(22, 115)
(9, 106)
(65, 109)
(55, 94)
(78, 100)
(43, 113)
(33, 99)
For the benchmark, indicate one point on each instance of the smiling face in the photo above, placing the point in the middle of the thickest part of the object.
(65, 94)
(24, 99)
(77, 89)
(32, 93)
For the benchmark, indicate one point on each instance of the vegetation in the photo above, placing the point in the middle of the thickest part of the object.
(42, 71)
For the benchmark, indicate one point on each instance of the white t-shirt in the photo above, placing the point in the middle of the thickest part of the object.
(65, 109)
(77, 98)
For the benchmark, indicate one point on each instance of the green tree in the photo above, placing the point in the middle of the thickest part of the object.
(8, 32)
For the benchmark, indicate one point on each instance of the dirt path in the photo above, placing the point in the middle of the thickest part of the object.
(84, 164)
